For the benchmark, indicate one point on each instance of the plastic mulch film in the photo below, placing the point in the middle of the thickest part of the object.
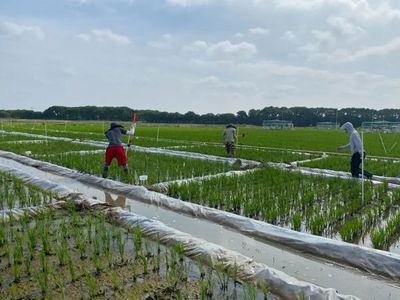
(371, 260)
(199, 250)
(163, 186)
(391, 180)
(295, 163)
(24, 142)
(16, 213)
(80, 152)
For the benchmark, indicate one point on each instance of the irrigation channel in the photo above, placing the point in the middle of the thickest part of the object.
(321, 272)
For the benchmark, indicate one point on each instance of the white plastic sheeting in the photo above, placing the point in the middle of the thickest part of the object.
(24, 142)
(298, 162)
(371, 260)
(199, 250)
(163, 186)
(17, 213)
(80, 152)
(393, 181)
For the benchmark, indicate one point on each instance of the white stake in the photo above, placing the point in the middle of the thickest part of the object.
(362, 165)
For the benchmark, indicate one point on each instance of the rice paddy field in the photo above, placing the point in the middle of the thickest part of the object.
(82, 254)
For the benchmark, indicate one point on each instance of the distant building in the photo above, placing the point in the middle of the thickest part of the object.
(277, 124)
(384, 126)
(327, 125)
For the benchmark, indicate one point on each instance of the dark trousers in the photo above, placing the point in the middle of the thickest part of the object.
(230, 149)
(355, 166)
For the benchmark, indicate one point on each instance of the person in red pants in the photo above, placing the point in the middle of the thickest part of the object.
(115, 148)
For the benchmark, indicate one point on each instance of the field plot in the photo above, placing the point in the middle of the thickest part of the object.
(258, 154)
(157, 167)
(45, 148)
(330, 207)
(71, 256)
(7, 138)
(382, 167)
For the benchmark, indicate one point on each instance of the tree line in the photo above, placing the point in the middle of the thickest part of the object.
(300, 116)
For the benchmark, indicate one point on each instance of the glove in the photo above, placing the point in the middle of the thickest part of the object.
(129, 145)
(131, 131)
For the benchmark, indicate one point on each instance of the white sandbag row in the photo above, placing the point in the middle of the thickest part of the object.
(24, 142)
(199, 250)
(163, 186)
(15, 214)
(80, 152)
(298, 162)
(367, 259)
(393, 181)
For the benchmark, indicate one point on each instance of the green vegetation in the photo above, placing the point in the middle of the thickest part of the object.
(83, 256)
(324, 205)
(14, 193)
(45, 148)
(157, 167)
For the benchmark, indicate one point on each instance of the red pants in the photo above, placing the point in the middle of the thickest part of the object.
(117, 152)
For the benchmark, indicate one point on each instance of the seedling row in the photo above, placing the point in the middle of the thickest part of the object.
(329, 207)
(14, 193)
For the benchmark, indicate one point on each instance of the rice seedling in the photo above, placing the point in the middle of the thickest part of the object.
(249, 292)
(121, 245)
(115, 281)
(59, 283)
(91, 284)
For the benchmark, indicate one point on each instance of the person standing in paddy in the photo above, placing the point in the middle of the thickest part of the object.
(356, 148)
(115, 148)
(229, 137)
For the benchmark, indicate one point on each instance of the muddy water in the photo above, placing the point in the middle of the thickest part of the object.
(344, 280)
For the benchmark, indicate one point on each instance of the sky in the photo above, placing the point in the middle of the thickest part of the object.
(205, 56)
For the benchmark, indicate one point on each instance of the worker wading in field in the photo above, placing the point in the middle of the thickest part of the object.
(356, 148)
(229, 137)
(115, 148)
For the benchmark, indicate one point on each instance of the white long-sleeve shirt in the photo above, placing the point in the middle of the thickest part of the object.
(355, 144)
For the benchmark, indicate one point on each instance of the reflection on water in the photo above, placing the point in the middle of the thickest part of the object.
(120, 201)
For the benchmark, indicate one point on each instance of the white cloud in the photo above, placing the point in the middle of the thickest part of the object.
(20, 30)
(83, 37)
(165, 42)
(344, 27)
(196, 46)
(288, 36)
(259, 30)
(359, 9)
(188, 3)
(243, 49)
(390, 47)
(223, 48)
(217, 83)
(108, 36)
